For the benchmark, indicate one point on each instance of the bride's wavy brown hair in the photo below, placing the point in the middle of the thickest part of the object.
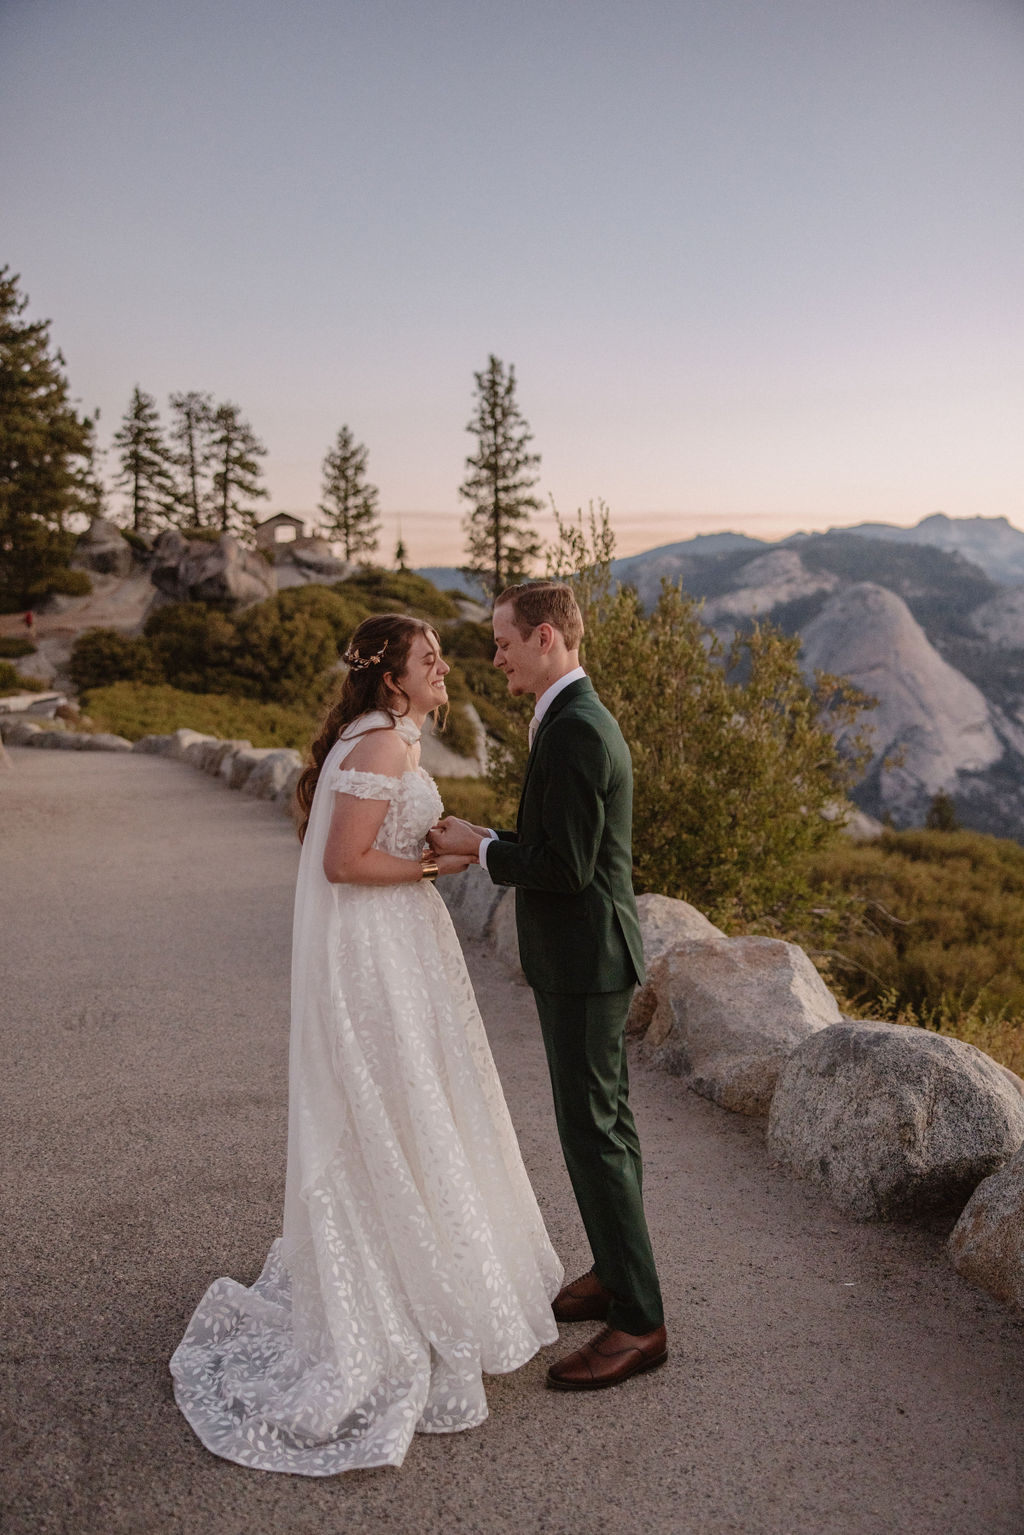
(388, 637)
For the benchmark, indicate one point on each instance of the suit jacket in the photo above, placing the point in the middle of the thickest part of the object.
(570, 856)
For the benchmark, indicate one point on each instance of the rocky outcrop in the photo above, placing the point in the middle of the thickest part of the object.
(104, 549)
(1000, 621)
(893, 1122)
(766, 583)
(18, 731)
(197, 571)
(308, 563)
(472, 900)
(987, 1244)
(664, 924)
(504, 936)
(991, 543)
(441, 761)
(725, 1014)
(270, 775)
(933, 717)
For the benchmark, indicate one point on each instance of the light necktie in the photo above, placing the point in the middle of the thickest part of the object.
(534, 727)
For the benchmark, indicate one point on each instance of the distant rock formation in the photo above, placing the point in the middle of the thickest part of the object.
(928, 712)
(992, 543)
(104, 549)
(308, 563)
(1001, 620)
(766, 583)
(188, 570)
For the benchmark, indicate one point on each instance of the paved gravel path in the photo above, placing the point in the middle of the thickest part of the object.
(825, 1378)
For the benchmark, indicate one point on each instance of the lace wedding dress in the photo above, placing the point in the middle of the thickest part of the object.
(413, 1255)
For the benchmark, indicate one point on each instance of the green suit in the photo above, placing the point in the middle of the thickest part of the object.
(570, 860)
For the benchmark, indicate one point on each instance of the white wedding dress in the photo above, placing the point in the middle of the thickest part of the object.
(413, 1256)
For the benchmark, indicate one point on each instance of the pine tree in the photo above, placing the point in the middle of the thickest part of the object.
(146, 474)
(401, 553)
(235, 451)
(942, 814)
(45, 454)
(349, 502)
(500, 542)
(190, 434)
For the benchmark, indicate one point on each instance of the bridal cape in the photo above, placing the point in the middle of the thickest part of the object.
(413, 1256)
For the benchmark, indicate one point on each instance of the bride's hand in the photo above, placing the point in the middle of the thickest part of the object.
(451, 863)
(453, 835)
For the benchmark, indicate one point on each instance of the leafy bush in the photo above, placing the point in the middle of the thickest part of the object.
(930, 920)
(68, 583)
(136, 541)
(101, 656)
(399, 591)
(471, 798)
(735, 755)
(12, 648)
(283, 658)
(280, 651)
(469, 641)
(134, 709)
(341, 609)
(12, 681)
(193, 647)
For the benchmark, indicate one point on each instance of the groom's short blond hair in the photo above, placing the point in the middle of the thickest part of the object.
(545, 602)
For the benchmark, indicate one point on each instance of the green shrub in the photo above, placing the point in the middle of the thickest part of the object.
(281, 657)
(734, 754)
(194, 647)
(399, 591)
(102, 656)
(341, 609)
(68, 583)
(469, 641)
(471, 798)
(13, 681)
(459, 733)
(924, 920)
(134, 709)
(12, 648)
(135, 541)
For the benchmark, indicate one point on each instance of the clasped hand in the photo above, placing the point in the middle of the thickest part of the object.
(455, 844)
(452, 845)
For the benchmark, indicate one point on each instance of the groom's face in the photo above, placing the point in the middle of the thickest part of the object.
(518, 656)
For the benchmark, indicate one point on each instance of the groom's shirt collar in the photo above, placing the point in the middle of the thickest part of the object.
(548, 697)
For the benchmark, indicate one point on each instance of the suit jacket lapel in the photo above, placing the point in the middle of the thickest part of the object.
(575, 690)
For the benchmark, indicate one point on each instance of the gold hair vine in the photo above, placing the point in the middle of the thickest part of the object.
(359, 663)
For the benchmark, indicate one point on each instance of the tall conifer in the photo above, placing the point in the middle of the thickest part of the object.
(349, 502)
(235, 452)
(45, 453)
(146, 474)
(191, 426)
(500, 543)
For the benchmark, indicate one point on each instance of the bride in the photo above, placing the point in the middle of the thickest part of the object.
(413, 1256)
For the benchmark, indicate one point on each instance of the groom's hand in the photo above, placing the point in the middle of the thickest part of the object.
(454, 836)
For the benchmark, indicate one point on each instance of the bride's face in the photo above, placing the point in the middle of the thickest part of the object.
(423, 677)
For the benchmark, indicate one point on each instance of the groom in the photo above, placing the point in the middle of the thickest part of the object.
(579, 940)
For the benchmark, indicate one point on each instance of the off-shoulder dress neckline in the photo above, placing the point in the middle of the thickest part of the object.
(381, 719)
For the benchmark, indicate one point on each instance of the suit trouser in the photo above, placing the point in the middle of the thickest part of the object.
(585, 1039)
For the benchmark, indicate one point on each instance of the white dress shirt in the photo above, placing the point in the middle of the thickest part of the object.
(541, 708)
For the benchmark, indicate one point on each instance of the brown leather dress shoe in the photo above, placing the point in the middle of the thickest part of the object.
(609, 1358)
(584, 1300)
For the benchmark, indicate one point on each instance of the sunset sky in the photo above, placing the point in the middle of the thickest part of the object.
(758, 265)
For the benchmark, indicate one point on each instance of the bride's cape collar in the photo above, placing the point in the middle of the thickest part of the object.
(381, 719)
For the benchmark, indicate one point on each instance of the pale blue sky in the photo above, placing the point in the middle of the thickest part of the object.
(758, 265)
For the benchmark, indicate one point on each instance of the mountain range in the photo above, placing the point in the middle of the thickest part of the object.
(927, 620)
